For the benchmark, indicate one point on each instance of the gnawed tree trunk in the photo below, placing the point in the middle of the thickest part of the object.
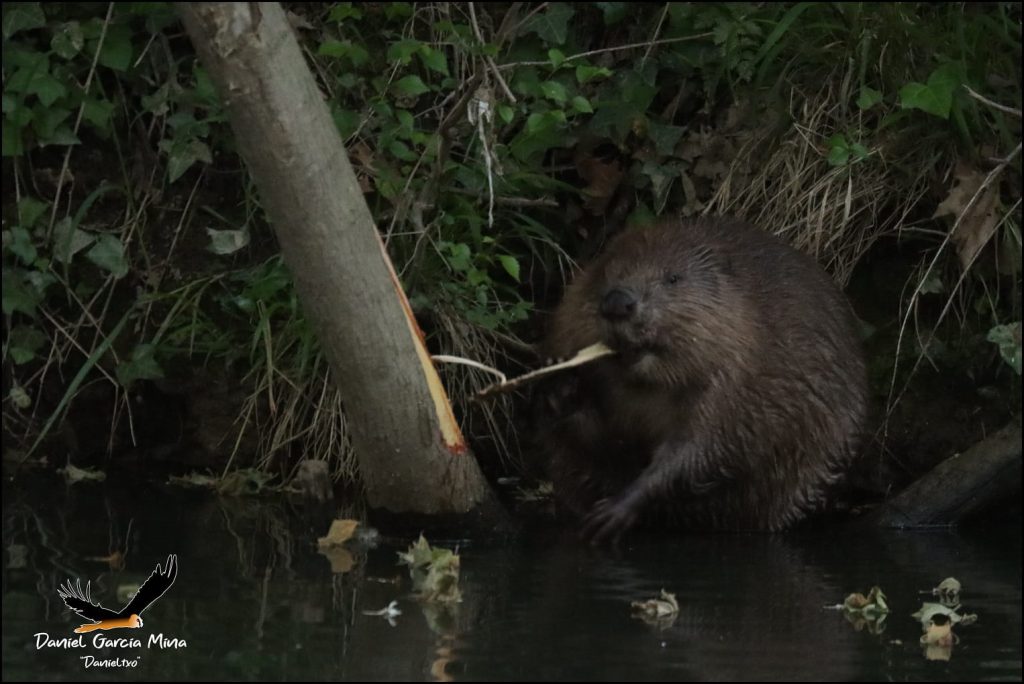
(412, 456)
(961, 485)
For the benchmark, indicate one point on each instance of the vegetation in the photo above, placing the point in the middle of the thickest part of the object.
(494, 144)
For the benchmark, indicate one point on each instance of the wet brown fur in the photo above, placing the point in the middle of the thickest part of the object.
(738, 394)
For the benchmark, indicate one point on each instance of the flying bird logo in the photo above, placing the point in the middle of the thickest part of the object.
(129, 616)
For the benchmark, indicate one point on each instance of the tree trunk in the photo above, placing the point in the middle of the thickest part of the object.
(961, 485)
(412, 455)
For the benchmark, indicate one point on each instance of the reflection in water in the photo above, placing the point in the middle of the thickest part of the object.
(254, 600)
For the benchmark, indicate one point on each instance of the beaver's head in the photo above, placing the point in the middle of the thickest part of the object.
(667, 299)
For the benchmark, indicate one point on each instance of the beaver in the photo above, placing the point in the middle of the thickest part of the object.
(737, 395)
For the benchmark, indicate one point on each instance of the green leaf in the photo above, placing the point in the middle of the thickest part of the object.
(16, 295)
(343, 11)
(435, 60)
(108, 254)
(98, 113)
(614, 12)
(46, 121)
(402, 151)
(582, 105)
(68, 240)
(25, 341)
(10, 140)
(29, 211)
(1008, 337)
(68, 40)
(403, 50)
(142, 366)
(410, 86)
(554, 90)
(511, 265)
(586, 73)
(935, 97)
(665, 138)
(556, 56)
(355, 54)
(21, 246)
(227, 241)
(47, 88)
(869, 97)
(182, 157)
(506, 113)
(551, 25)
(839, 150)
(22, 16)
(116, 52)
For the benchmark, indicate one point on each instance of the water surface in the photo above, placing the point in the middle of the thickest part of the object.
(254, 600)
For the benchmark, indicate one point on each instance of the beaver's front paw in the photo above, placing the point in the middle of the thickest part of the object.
(610, 519)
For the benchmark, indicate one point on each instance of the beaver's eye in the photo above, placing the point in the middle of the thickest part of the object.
(672, 278)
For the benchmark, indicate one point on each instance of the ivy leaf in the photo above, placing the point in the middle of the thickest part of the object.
(1008, 338)
(68, 40)
(614, 12)
(47, 88)
(116, 52)
(20, 244)
(552, 25)
(664, 137)
(68, 240)
(182, 157)
(10, 140)
(410, 86)
(108, 254)
(25, 341)
(506, 113)
(556, 56)
(142, 366)
(29, 211)
(15, 295)
(22, 16)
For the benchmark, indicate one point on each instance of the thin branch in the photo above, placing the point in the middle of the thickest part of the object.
(990, 103)
(590, 53)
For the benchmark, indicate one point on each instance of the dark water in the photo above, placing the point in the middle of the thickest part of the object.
(254, 600)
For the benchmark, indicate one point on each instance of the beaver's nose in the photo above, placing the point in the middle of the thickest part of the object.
(618, 305)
